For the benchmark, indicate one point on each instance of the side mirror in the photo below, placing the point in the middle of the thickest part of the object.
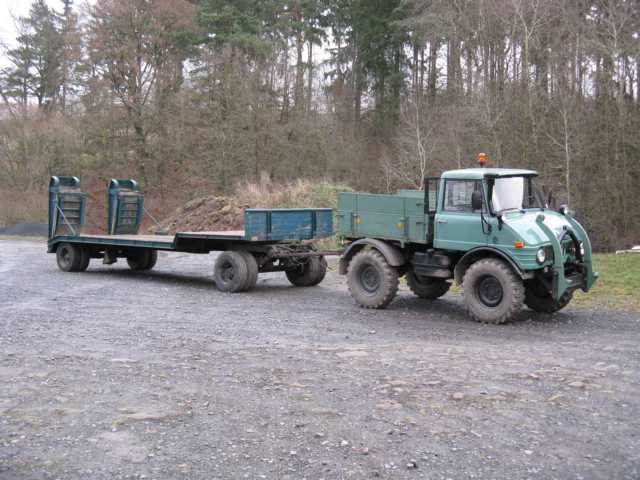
(476, 201)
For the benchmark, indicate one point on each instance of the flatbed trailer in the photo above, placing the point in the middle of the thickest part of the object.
(274, 240)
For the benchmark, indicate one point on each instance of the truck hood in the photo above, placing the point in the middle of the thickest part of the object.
(524, 225)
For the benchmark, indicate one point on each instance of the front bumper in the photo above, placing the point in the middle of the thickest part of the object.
(581, 275)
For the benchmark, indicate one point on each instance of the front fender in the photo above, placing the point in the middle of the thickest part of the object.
(479, 252)
(392, 254)
(562, 283)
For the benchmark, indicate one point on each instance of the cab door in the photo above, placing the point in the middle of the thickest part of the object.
(457, 225)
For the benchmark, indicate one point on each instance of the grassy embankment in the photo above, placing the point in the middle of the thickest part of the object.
(618, 287)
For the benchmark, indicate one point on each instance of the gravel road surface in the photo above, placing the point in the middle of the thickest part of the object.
(111, 374)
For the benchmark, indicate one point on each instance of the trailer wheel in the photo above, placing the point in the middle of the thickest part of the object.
(373, 283)
(539, 300)
(231, 272)
(492, 291)
(71, 258)
(309, 274)
(426, 287)
(252, 271)
(142, 260)
(86, 258)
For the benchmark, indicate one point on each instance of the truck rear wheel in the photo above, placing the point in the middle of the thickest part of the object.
(72, 258)
(373, 283)
(539, 300)
(426, 287)
(493, 293)
(231, 272)
(142, 260)
(308, 274)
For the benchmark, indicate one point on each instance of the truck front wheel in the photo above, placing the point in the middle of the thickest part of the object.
(539, 300)
(493, 293)
(426, 287)
(373, 283)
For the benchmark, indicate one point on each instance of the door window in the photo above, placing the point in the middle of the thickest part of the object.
(457, 195)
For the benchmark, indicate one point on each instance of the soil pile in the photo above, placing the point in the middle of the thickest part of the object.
(205, 214)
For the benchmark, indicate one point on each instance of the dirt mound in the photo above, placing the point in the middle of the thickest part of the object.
(204, 214)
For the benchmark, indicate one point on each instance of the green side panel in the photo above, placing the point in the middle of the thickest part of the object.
(416, 218)
(380, 216)
(347, 207)
(395, 217)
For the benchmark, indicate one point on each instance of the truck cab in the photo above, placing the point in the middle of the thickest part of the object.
(487, 229)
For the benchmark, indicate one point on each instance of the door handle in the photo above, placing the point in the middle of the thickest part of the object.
(443, 222)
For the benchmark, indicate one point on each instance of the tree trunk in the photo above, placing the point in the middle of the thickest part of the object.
(310, 79)
(433, 68)
(299, 83)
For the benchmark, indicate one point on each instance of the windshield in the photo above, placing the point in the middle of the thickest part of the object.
(514, 193)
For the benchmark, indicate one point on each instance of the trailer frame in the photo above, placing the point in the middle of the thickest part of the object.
(276, 240)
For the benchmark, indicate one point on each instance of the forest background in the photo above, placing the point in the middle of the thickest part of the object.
(228, 96)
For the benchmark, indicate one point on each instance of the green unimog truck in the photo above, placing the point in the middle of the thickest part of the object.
(487, 229)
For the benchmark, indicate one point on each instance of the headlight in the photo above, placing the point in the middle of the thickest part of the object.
(541, 256)
(582, 249)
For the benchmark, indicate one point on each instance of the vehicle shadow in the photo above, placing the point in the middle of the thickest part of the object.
(154, 276)
(452, 307)
(447, 309)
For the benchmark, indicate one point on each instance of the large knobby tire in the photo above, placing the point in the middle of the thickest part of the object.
(72, 258)
(427, 287)
(308, 274)
(372, 282)
(538, 299)
(493, 293)
(252, 271)
(231, 272)
(142, 260)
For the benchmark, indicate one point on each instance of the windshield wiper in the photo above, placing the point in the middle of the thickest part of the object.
(509, 209)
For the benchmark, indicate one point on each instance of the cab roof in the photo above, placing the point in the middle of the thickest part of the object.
(480, 173)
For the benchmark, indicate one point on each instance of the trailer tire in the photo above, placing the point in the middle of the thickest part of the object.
(539, 300)
(372, 282)
(309, 274)
(86, 258)
(252, 271)
(231, 272)
(427, 287)
(70, 258)
(142, 260)
(492, 292)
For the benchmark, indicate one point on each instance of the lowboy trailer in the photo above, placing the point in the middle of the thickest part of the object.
(277, 240)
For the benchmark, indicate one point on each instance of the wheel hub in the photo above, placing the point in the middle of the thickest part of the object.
(490, 291)
(228, 272)
(370, 279)
(66, 256)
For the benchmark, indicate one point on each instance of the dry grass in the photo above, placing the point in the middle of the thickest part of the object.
(20, 206)
(297, 194)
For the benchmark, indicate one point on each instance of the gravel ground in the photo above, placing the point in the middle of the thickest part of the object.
(110, 374)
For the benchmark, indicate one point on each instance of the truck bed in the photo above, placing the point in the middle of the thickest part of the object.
(400, 217)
